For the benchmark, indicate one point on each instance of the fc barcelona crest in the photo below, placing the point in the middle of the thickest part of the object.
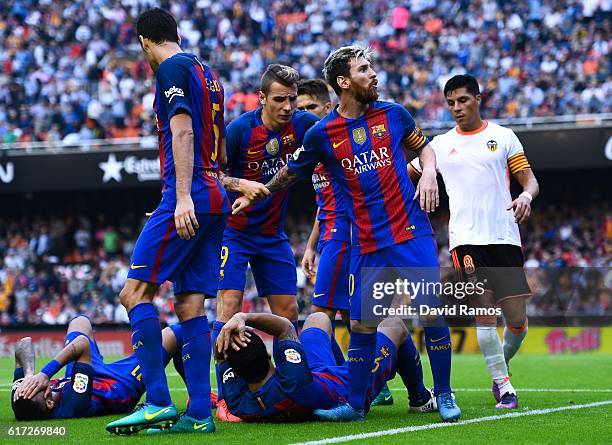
(492, 145)
(359, 135)
(289, 140)
(272, 146)
(379, 131)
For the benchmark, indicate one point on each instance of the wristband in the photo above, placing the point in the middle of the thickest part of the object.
(527, 195)
(51, 368)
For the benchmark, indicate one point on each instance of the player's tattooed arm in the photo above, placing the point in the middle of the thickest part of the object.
(253, 190)
(282, 180)
(24, 356)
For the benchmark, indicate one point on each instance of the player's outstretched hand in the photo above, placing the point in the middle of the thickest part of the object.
(308, 262)
(427, 191)
(253, 190)
(185, 219)
(32, 385)
(522, 209)
(240, 204)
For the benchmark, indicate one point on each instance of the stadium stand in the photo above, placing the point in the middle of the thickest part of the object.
(69, 71)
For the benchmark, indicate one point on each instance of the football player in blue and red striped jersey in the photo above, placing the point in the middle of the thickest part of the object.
(361, 143)
(181, 240)
(259, 143)
(90, 387)
(304, 376)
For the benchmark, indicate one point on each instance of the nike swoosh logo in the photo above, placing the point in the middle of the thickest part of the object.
(250, 152)
(354, 349)
(338, 144)
(318, 295)
(436, 341)
(387, 398)
(137, 267)
(197, 427)
(149, 416)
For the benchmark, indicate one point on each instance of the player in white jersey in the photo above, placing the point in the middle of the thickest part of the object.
(476, 159)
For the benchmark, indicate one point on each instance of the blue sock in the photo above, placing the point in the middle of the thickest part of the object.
(335, 347)
(439, 350)
(177, 359)
(410, 369)
(217, 326)
(147, 345)
(362, 349)
(196, 359)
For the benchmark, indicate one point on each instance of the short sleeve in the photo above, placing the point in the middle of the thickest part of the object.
(173, 83)
(233, 139)
(412, 136)
(292, 371)
(517, 160)
(76, 393)
(306, 158)
(233, 386)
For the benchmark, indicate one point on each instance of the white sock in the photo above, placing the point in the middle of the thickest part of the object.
(513, 341)
(491, 348)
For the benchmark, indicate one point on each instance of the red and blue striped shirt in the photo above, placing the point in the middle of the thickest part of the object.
(186, 84)
(257, 153)
(334, 222)
(365, 157)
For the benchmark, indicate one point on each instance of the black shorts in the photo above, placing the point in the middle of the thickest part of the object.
(499, 266)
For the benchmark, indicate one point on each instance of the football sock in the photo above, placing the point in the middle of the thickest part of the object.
(491, 348)
(410, 369)
(362, 349)
(513, 338)
(335, 347)
(177, 359)
(439, 350)
(147, 345)
(196, 359)
(217, 326)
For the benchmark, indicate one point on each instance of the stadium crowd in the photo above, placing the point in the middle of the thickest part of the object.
(70, 70)
(54, 268)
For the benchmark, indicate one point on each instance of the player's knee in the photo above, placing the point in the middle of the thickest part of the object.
(357, 326)
(188, 306)
(81, 323)
(135, 292)
(331, 313)
(229, 304)
(318, 320)
(395, 329)
(485, 320)
(288, 309)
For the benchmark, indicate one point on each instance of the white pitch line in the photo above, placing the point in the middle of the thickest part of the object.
(519, 389)
(430, 426)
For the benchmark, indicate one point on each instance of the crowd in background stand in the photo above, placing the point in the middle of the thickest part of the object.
(71, 70)
(52, 269)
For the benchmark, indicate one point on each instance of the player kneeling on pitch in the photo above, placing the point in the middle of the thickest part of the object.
(90, 386)
(305, 377)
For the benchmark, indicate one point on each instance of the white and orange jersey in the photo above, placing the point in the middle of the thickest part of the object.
(476, 169)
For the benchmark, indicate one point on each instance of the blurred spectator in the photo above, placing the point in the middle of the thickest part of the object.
(72, 70)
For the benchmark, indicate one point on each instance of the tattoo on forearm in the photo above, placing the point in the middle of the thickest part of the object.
(229, 183)
(291, 334)
(281, 180)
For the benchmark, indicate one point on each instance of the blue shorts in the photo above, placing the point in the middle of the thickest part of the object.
(191, 265)
(124, 376)
(322, 363)
(331, 285)
(270, 257)
(415, 260)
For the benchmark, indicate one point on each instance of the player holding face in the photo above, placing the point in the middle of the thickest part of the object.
(476, 159)
(259, 143)
(90, 387)
(182, 238)
(361, 143)
(306, 377)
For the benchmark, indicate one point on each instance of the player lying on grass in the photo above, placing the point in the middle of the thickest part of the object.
(304, 377)
(90, 386)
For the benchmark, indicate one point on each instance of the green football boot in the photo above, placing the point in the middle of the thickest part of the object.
(144, 416)
(187, 424)
(384, 397)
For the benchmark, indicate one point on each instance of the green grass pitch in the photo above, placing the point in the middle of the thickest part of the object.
(543, 383)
